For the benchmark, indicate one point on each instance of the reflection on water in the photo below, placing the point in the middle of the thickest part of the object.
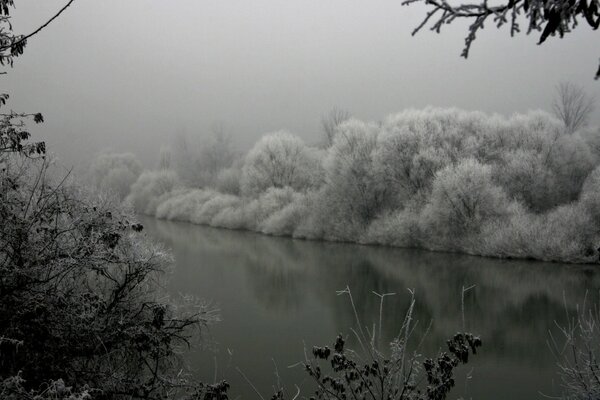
(277, 293)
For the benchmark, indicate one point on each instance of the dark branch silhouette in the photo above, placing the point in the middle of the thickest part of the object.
(548, 17)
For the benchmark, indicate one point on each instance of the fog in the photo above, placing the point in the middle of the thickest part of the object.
(129, 75)
(331, 131)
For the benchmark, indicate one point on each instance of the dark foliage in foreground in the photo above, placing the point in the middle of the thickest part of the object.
(548, 18)
(371, 373)
(387, 377)
(82, 313)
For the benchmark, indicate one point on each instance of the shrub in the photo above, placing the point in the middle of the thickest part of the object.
(229, 181)
(276, 161)
(116, 173)
(146, 192)
(81, 308)
(463, 197)
(353, 193)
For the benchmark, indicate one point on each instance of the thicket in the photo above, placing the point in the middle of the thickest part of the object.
(82, 312)
(440, 179)
(115, 173)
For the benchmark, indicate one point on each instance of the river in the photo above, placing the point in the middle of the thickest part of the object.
(277, 296)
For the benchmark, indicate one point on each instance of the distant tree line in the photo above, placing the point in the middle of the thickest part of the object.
(442, 179)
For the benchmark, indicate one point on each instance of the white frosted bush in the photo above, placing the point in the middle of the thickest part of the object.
(354, 191)
(273, 200)
(115, 173)
(283, 222)
(279, 160)
(561, 234)
(311, 226)
(229, 181)
(182, 204)
(231, 215)
(150, 186)
(400, 228)
(590, 197)
(205, 213)
(462, 198)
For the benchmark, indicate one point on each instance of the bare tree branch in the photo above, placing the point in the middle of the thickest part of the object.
(548, 17)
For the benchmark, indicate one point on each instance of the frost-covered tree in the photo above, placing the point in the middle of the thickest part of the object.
(216, 154)
(278, 160)
(229, 180)
(198, 160)
(147, 192)
(116, 172)
(331, 121)
(354, 192)
(410, 151)
(462, 198)
(549, 18)
(165, 158)
(572, 106)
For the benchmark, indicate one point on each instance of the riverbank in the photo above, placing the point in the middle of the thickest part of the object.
(437, 179)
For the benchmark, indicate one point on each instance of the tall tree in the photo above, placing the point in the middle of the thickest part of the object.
(331, 121)
(572, 106)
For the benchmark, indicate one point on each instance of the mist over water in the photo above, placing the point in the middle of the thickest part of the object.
(277, 295)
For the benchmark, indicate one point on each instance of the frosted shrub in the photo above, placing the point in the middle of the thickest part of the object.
(273, 200)
(523, 175)
(311, 226)
(590, 204)
(146, 191)
(354, 193)
(276, 161)
(562, 234)
(84, 315)
(508, 238)
(229, 180)
(115, 173)
(231, 214)
(407, 166)
(572, 160)
(462, 198)
(216, 203)
(399, 228)
(394, 158)
(181, 205)
(286, 220)
(199, 159)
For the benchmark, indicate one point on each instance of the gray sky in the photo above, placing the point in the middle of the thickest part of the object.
(128, 75)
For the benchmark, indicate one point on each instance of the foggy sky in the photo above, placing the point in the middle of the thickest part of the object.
(128, 75)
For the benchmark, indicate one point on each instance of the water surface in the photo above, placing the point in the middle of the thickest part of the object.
(278, 295)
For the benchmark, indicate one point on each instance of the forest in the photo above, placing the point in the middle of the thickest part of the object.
(439, 179)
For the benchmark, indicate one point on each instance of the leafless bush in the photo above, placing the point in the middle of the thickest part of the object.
(577, 352)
